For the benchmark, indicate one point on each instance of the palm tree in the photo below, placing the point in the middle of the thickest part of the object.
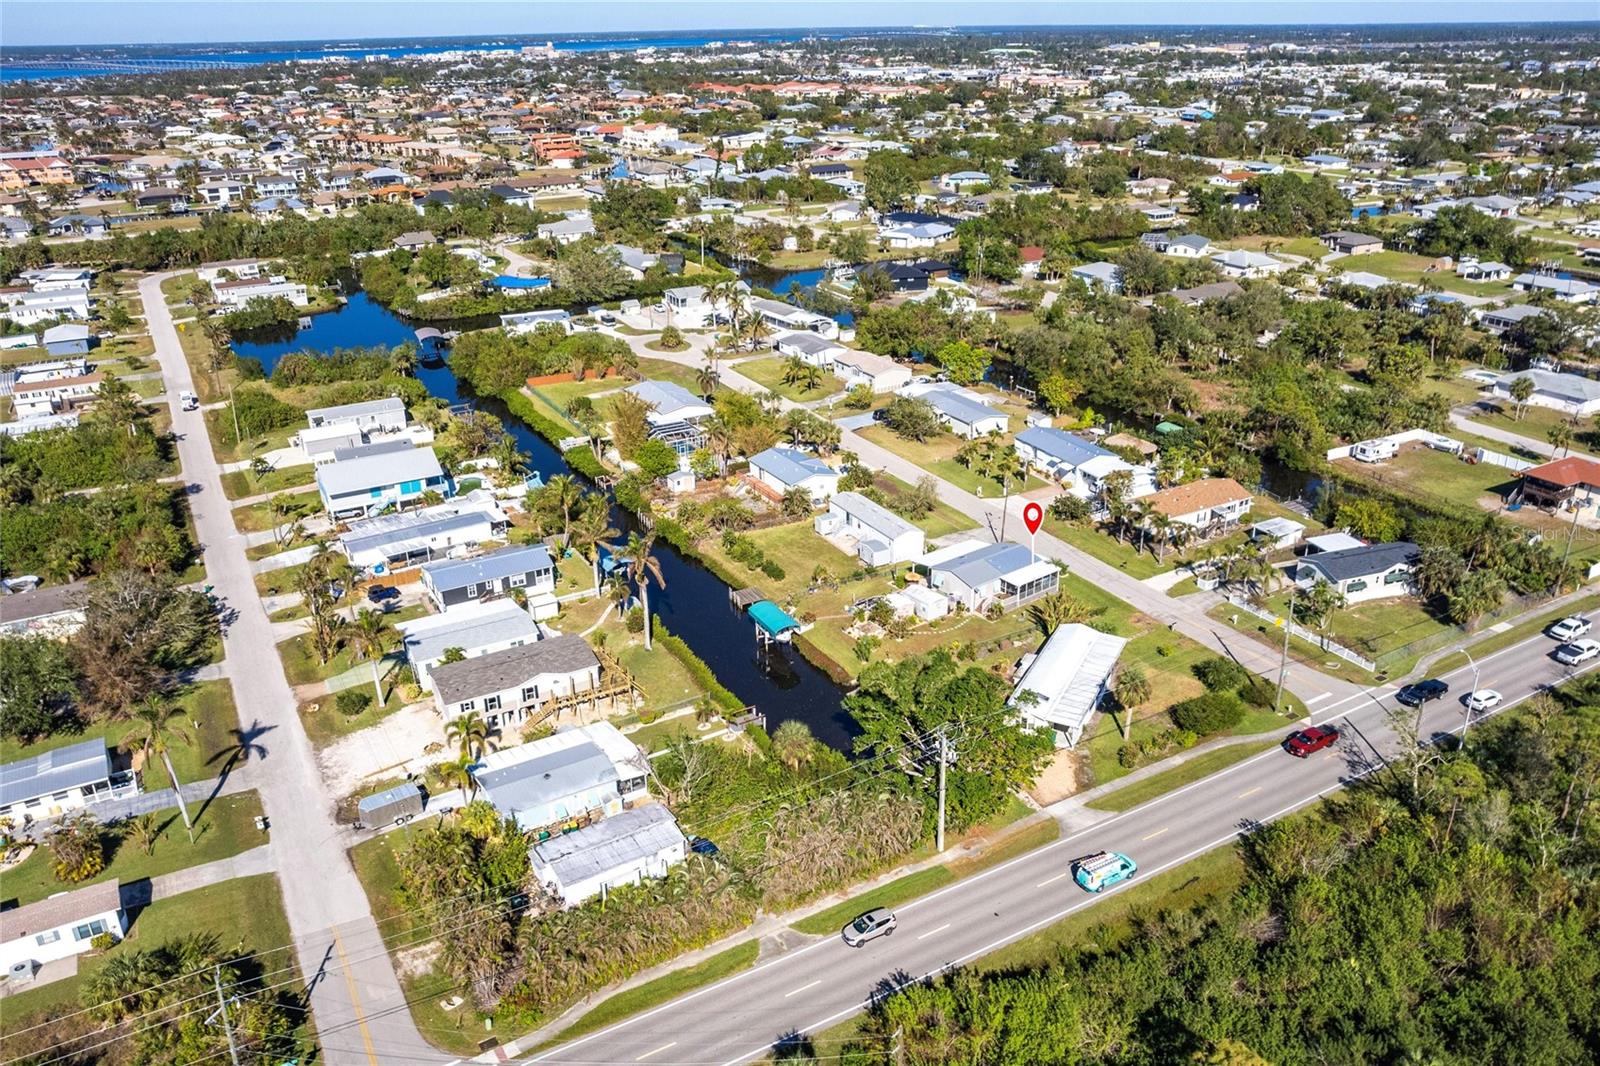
(457, 773)
(470, 732)
(708, 378)
(793, 744)
(562, 493)
(642, 568)
(370, 635)
(157, 730)
(592, 529)
(1560, 436)
(1160, 525)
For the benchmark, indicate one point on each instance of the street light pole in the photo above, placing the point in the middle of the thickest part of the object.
(1466, 727)
(1283, 659)
(943, 751)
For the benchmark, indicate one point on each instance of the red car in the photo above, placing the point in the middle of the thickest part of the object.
(1302, 742)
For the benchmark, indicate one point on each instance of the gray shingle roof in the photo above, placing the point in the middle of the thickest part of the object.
(519, 559)
(59, 910)
(1364, 561)
(503, 670)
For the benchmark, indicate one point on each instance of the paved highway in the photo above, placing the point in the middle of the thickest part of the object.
(823, 982)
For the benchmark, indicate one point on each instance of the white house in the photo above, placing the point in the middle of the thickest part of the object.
(26, 306)
(878, 372)
(1243, 264)
(916, 235)
(619, 850)
(1370, 572)
(571, 777)
(1081, 467)
(1567, 290)
(376, 482)
(475, 628)
(974, 574)
(568, 230)
(1189, 246)
(670, 402)
(689, 308)
(1063, 683)
(877, 536)
(809, 347)
(237, 268)
(784, 316)
(959, 409)
(399, 541)
(1572, 393)
(782, 469)
(58, 927)
(235, 294)
(1107, 276)
(1202, 504)
(506, 686)
(372, 416)
(515, 322)
(38, 398)
(60, 781)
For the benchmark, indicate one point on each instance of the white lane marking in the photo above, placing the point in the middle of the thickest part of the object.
(931, 932)
(657, 1051)
(1249, 792)
(802, 988)
(1157, 833)
(1314, 700)
(1052, 881)
(994, 870)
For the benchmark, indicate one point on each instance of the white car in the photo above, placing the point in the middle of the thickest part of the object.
(1569, 629)
(1482, 700)
(1579, 651)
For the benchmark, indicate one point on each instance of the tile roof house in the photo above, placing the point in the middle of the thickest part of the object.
(1370, 572)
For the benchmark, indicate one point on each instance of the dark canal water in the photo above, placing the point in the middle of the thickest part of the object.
(694, 604)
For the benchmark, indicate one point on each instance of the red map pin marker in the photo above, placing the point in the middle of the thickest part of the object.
(1033, 517)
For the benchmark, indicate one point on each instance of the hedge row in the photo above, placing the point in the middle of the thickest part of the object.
(579, 458)
(719, 693)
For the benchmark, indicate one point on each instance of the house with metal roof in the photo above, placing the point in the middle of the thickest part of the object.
(398, 541)
(374, 483)
(474, 628)
(60, 781)
(1062, 684)
(605, 855)
(1079, 465)
(876, 535)
(387, 415)
(878, 372)
(1572, 393)
(974, 574)
(809, 347)
(670, 402)
(959, 409)
(58, 927)
(782, 469)
(1370, 572)
(451, 582)
(1102, 275)
(572, 778)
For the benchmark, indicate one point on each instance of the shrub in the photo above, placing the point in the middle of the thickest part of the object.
(672, 338)
(634, 620)
(719, 693)
(1210, 713)
(772, 570)
(102, 942)
(865, 647)
(1221, 675)
(352, 701)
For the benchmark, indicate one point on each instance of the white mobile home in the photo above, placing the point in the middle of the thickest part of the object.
(876, 535)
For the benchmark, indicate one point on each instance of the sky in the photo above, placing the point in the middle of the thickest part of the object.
(34, 22)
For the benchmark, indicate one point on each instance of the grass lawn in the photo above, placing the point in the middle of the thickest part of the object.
(1108, 549)
(1299, 650)
(1413, 269)
(942, 520)
(1514, 635)
(1376, 627)
(937, 456)
(663, 988)
(1534, 423)
(226, 828)
(258, 517)
(665, 370)
(209, 720)
(770, 371)
(1192, 770)
(663, 679)
(900, 890)
(246, 912)
(656, 735)
(238, 484)
(796, 547)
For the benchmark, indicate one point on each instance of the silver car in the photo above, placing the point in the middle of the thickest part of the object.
(869, 926)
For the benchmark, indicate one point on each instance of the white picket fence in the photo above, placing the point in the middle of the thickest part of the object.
(1300, 631)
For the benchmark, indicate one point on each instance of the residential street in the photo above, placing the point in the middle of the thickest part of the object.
(824, 982)
(337, 941)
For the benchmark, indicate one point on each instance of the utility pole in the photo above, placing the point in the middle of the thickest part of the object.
(235, 409)
(222, 1008)
(943, 752)
(1567, 555)
(1467, 725)
(1283, 660)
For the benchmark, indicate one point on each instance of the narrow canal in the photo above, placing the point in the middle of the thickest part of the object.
(694, 604)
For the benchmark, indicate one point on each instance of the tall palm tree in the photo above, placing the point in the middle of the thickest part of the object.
(563, 493)
(642, 568)
(457, 773)
(369, 633)
(158, 730)
(592, 529)
(470, 732)
(707, 377)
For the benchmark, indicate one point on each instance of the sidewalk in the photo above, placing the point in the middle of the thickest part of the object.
(258, 860)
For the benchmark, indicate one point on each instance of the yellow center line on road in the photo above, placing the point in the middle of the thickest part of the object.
(1157, 833)
(355, 999)
(797, 991)
(657, 1051)
(1251, 792)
